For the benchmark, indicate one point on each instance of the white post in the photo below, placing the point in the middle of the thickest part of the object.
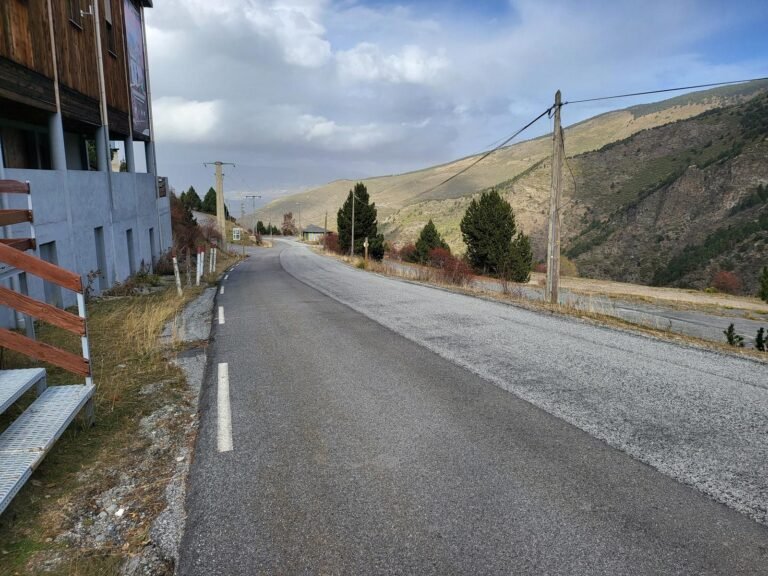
(200, 259)
(176, 274)
(84, 338)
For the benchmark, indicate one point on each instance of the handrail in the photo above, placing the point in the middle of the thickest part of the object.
(42, 311)
(45, 352)
(8, 217)
(41, 268)
(13, 187)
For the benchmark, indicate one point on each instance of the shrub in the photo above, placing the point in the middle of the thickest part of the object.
(408, 253)
(450, 270)
(164, 264)
(760, 341)
(732, 338)
(541, 267)
(727, 282)
(332, 242)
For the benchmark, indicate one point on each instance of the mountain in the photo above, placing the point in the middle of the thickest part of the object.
(691, 159)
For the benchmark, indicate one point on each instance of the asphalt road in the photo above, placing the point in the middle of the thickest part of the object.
(700, 324)
(357, 450)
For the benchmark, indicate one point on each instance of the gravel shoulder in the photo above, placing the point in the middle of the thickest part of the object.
(697, 416)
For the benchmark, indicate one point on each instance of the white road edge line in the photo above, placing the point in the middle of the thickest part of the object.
(226, 276)
(221, 291)
(224, 439)
(221, 314)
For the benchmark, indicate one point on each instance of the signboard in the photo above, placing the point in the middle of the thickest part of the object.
(236, 234)
(162, 186)
(134, 36)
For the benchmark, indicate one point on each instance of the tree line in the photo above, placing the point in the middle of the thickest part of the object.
(495, 247)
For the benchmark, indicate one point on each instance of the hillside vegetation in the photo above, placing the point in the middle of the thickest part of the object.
(640, 185)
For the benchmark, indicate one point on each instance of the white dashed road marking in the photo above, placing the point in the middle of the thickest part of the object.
(221, 314)
(221, 291)
(224, 410)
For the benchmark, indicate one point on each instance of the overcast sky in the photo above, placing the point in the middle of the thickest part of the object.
(301, 92)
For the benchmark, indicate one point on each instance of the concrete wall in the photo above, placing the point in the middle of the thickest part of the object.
(69, 205)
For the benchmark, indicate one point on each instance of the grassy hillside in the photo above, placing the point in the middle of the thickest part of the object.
(397, 196)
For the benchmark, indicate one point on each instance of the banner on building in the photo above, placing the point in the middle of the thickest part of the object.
(137, 73)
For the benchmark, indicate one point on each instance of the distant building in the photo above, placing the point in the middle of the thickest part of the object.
(56, 106)
(313, 233)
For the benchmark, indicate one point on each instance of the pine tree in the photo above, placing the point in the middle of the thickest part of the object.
(191, 199)
(764, 285)
(209, 202)
(260, 228)
(520, 259)
(366, 225)
(488, 228)
(428, 240)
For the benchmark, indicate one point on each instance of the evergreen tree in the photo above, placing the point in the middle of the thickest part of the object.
(191, 199)
(428, 239)
(366, 225)
(760, 340)
(260, 228)
(520, 259)
(488, 227)
(733, 338)
(764, 285)
(183, 198)
(209, 202)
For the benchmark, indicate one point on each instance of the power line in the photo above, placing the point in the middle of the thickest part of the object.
(710, 85)
(484, 156)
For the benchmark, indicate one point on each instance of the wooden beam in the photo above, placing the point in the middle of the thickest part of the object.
(20, 244)
(42, 311)
(44, 352)
(8, 217)
(41, 268)
(13, 187)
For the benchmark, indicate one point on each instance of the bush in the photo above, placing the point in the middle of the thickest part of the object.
(408, 253)
(332, 242)
(450, 270)
(760, 341)
(541, 267)
(732, 338)
(164, 264)
(727, 282)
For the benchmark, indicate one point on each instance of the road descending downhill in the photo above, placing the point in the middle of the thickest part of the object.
(357, 424)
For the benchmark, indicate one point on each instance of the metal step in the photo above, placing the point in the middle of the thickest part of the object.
(13, 384)
(26, 442)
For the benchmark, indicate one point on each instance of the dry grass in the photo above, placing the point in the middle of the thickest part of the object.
(126, 358)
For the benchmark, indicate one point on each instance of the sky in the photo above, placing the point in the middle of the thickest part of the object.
(298, 93)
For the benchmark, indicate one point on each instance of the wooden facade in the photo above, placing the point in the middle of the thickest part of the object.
(27, 62)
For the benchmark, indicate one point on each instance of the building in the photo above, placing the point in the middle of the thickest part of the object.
(313, 233)
(74, 88)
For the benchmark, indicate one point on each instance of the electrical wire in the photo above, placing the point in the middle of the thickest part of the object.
(484, 156)
(644, 93)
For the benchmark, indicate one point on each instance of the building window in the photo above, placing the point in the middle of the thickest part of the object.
(75, 15)
(111, 45)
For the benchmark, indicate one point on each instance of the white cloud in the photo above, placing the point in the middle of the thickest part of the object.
(367, 62)
(179, 120)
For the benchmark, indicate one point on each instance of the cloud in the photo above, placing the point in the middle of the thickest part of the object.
(412, 64)
(179, 120)
(306, 91)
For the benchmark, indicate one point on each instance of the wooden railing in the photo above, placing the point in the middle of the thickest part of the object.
(12, 253)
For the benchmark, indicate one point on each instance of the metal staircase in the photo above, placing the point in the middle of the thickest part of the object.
(24, 444)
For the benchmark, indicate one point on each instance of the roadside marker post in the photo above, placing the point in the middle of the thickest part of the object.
(176, 273)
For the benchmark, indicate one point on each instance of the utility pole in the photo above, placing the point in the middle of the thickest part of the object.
(352, 244)
(253, 200)
(220, 216)
(553, 240)
(299, 205)
(325, 234)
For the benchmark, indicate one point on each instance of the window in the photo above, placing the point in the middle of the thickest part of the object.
(131, 255)
(75, 16)
(111, 44)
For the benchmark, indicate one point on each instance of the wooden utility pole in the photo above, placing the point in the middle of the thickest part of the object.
(220, 212)
(352, 244)
(553, 240)
(325, 234)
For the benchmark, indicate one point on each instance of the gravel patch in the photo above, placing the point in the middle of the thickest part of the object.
(194, 323)
(698, 416)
